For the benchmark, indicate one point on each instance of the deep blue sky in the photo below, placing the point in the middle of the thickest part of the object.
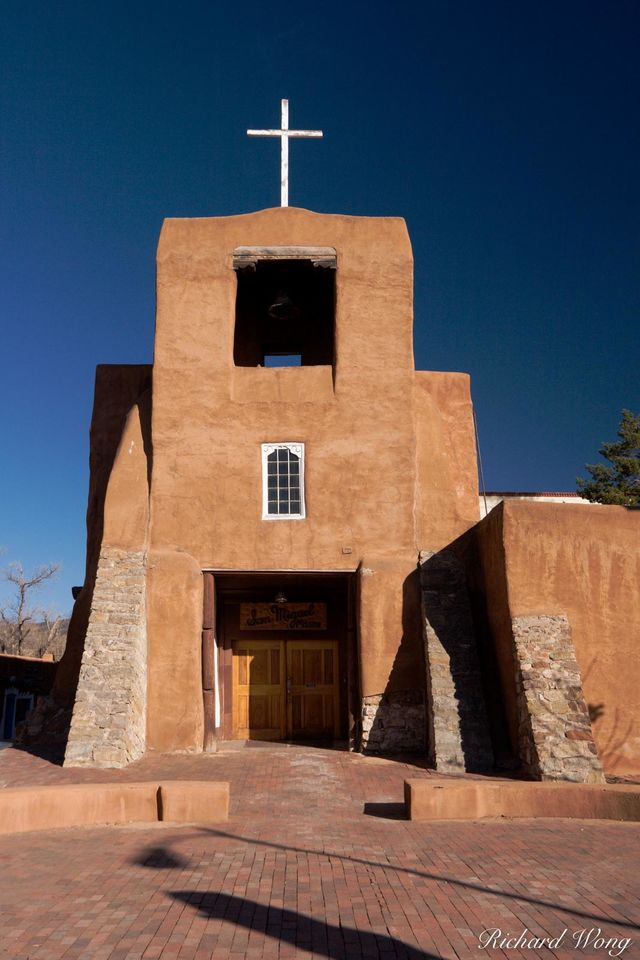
(505, 133)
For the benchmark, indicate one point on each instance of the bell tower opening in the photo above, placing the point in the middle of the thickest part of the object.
(285, 307)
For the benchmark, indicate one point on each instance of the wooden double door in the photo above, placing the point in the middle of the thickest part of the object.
(285, 689)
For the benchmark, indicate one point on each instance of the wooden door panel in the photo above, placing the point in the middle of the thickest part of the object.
(285, 688)
(330, 672)
(312, 667)
(312, 675)
(258, 690)
(313, 715)
(294, 666)
(264, 711)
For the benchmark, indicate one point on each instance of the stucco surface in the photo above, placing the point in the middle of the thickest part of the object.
(108, 721)
(174, 626)
(357, 420)
(388, 624)
(389, 454)
(530, 559)
(126, 508)
(586, 564)
(359, 436)
(484, 550)
(189, 801)
(476, 799)
(447, 474)
(77, 804)
(57, 806)
(117, 388)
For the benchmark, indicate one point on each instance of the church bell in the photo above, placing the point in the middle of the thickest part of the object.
(283, 307)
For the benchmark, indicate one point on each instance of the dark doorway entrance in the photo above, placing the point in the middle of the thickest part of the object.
(287, 656)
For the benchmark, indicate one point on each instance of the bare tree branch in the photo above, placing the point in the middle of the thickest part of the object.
(18, 615)
(53, 626)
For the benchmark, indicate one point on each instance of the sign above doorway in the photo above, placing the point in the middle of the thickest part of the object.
(283, 616)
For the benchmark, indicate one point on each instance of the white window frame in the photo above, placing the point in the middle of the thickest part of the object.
(297, 448)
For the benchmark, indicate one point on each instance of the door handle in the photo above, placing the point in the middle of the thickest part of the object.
(288, 688)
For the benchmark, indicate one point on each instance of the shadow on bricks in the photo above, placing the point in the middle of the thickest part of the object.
(288, 926)
(158, 857)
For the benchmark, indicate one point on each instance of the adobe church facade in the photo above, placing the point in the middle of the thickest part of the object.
(284, 539)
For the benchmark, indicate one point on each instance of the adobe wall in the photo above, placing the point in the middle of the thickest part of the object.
(372, 500)
(175, 720)
(357, 420)
(108, 723)
(484, 553)
(562, 558)
(117, 388)
(538, 563)
(210, 418)
(392, 677)
(447, 473)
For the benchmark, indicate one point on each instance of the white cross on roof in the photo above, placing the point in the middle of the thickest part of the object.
(284, 133)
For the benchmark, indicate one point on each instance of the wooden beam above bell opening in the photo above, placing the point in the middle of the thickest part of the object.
(244, 257)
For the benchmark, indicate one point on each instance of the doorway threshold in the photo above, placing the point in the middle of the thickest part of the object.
(341, 745)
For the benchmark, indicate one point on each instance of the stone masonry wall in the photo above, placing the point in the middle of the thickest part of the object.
(459, 738)
(554, 730)
(394, 723)
(109, 716)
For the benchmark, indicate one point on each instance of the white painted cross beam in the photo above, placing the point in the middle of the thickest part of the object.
(284, 133)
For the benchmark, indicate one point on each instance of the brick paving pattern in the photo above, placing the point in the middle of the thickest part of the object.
(315, 861)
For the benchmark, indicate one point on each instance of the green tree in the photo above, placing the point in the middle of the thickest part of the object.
(620, 482)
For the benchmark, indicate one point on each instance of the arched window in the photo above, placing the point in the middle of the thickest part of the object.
(283, 481)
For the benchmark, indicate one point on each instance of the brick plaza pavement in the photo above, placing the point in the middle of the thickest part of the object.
(313, 862)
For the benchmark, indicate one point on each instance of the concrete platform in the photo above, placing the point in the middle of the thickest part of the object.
(467, 799)
(54, 807)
